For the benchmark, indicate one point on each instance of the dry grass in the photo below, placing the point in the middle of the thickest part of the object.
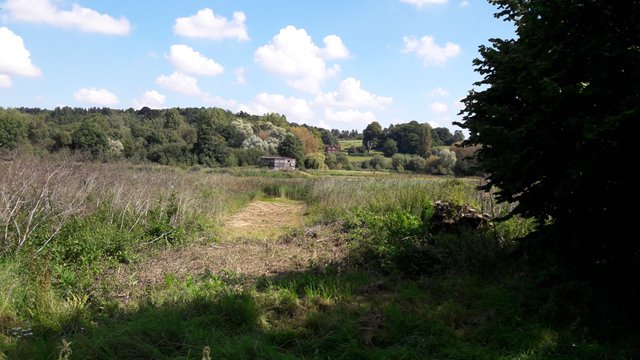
(263, 220)
(265, 238)
(41, 195)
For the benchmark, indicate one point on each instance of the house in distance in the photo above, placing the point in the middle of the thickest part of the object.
(332, 149)
(278, 162)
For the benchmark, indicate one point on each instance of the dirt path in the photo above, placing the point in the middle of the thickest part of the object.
(265, 238)
(264, 220)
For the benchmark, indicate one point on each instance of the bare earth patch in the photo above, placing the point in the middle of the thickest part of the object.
(265, 238)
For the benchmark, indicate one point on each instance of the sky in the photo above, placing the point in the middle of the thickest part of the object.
(337, 64)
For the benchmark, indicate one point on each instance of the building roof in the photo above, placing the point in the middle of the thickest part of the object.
(275, 158)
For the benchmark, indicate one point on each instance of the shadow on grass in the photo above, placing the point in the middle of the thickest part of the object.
(325, 314)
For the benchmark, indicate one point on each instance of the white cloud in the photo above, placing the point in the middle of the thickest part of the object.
(438, 107)
(206, 24)
(334, 48)
(439, 91)
(324, 125)
(219, 101)
(81, 18)
(420, 3)
(240, 75)
(15, 59)
(350, 94)
(151, 99)
(294, 109)
(188, 85)
(293, 55)
(434, 124)
(5, 81)
(351, 117)
(189, 61)
(429, 51)
(180, 82)
(93, 96)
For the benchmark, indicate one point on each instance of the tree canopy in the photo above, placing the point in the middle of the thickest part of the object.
(556, 113)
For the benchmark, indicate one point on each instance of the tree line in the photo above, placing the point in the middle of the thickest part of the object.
(210, 137)
(419, 148)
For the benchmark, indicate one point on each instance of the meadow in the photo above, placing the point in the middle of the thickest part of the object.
(362, 274)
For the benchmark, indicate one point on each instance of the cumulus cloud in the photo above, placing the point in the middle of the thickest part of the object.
(151, 99)
(439, 91)
(351, 117)
(324, 125)
(93, 96)
(429, 51)
(188, 85)
(218, 101)
(180, 82)
(189, 61)
(438, 107)
(293, 55)
(420, 3)
(350, 94)
(294, 109)
(205, 24)
(15, 59)
(5, 81)
(240, 75)
(334, 48)
(81, 18)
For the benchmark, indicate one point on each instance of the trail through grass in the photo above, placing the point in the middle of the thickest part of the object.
(264, 220)
(165, 264)
(264, 238)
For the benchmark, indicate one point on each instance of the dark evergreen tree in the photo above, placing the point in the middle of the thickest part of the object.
(291, 147)
(556, 113)
(371, 135)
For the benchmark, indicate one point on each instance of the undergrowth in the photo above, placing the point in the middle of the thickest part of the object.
(407, 290)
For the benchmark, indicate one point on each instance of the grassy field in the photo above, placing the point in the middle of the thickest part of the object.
(345, 144)
(111, 261)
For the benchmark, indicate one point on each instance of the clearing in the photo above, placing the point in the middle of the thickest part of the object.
(264, 238)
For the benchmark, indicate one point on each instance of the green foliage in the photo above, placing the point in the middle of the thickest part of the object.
(211, 148)
(402, 162)
(315, 161)
(443, 137)
(568, 120)
(441, 162)
(411, 138)
(371, 135)
(90, 137)
(390, 147)
(248, 157)
(378, 163)
(466, 162)
(337, 162)
(13, 128)
(83, 242)
(292, 147)
(231, 160)
(292, 189)
(398, 282)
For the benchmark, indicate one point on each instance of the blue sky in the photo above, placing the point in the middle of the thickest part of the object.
(334, 64)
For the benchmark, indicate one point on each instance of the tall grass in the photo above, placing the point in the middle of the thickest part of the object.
(38, 198)
(64, 224)
(331, 197)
